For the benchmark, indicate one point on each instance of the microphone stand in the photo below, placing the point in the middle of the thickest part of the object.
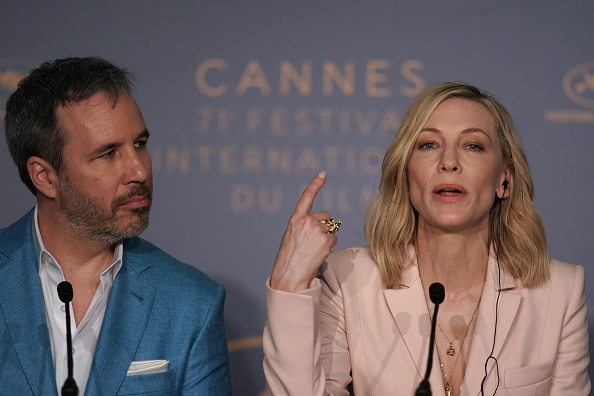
(437, 295)
(65, 293)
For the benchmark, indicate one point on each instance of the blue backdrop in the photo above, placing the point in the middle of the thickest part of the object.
(247, 100)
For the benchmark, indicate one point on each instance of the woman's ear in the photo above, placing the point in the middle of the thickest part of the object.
(503, 189)
(43, 176)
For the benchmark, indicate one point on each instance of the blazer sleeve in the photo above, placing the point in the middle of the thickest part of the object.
(207, 372)
(570, 375)
(305, 349)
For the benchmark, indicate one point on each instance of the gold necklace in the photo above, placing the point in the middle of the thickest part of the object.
(451, 351)
(447, 388)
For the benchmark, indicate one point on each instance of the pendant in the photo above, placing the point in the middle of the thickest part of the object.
(448, 391)
(451, 351)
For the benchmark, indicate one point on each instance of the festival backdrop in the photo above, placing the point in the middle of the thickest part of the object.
(247, 100)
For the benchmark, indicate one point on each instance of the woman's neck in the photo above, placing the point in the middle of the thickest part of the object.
(455, 260)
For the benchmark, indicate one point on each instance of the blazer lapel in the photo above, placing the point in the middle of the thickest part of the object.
(410, 312)
(126, 316)
(24, 315)
(484, 333)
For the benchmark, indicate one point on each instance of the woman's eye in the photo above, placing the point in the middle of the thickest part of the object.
(475, 147)
(427, 145)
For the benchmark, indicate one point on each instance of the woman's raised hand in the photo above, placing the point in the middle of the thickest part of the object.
(306, 243)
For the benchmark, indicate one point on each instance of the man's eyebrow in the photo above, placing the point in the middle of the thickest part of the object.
(144, 134)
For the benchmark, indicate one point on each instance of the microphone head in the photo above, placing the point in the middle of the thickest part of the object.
(65, 292)
(436, 293)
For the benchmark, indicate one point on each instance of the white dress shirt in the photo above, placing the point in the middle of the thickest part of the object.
(84, 337)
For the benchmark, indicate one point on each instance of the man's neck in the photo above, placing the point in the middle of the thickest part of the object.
(78, 254)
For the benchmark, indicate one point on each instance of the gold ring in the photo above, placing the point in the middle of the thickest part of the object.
(333, 225)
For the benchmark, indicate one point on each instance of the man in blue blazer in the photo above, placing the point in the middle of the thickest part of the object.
(143, 322)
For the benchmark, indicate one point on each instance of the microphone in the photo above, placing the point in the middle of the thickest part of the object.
(65, 293)
(437, 295)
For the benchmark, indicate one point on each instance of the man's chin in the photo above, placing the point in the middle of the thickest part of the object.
(139, 227)
(130, 230)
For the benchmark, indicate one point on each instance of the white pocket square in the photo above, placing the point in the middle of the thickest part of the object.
(148, 367)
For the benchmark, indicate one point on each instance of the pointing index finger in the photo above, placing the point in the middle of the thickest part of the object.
(305, 203)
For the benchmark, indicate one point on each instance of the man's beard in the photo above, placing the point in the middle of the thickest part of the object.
(88, 216)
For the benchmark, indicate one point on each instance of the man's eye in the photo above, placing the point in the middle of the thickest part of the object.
(109, 154)
(140, 144)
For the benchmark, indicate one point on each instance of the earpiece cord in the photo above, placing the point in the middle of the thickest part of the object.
(505, 183)
(494, 335)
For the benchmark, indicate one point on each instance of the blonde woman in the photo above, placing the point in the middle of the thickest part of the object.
(455, 207)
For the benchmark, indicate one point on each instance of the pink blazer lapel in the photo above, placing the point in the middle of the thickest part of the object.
(410, 312)
(484, 333)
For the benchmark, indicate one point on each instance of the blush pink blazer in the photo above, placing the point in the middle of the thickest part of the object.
(347, 327)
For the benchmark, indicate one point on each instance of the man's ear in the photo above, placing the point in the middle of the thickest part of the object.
(43, 176)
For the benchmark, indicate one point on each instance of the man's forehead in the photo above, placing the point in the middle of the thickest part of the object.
(96, 99)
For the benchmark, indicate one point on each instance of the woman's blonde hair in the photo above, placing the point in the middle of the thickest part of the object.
(515, 228)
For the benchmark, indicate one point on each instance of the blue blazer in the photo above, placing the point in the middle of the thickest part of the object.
(159, 308)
